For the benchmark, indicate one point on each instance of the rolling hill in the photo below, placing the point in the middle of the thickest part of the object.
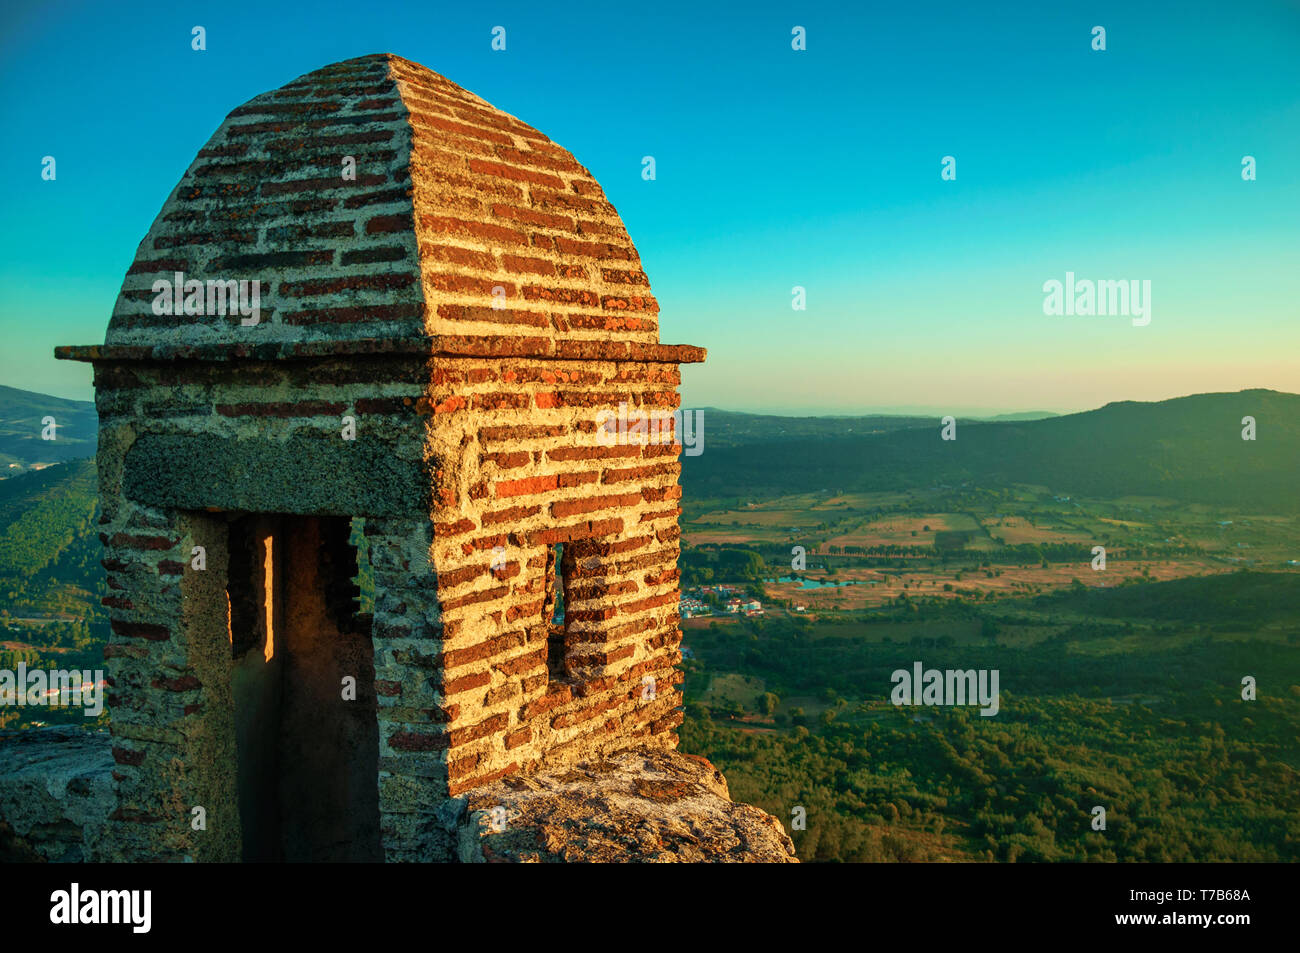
(729, 428)
(21, 416)
(1187, 448)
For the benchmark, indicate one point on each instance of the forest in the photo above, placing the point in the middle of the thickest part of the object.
(1142, 718)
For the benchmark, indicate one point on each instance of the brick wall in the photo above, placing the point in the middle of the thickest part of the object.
(522, 470)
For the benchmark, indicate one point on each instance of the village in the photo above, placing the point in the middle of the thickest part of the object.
(719, 600)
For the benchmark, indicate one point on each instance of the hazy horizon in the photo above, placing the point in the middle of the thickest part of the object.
(870, 411)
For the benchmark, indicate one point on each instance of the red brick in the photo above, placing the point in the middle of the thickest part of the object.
(532, 266)
(567, 534)
(307, 408)
(473, 598)
(531, 217)
(486, 230)
(619, 276)
(328, 286)
(514, 173)
(652, 602)
(454, 312)
(389, 223)
(474, 132)
(510, 514)
(466, 683)
(269, 188)
(592, 503)
(417, 741)
(508, 461)
(455, 528)
(578, 296)
(526, 486)
(593, 453)
(129, 541)
(598, 250)
(452, 254)
(460, 736)
(483, 650)
(522, 663)
(141, 630)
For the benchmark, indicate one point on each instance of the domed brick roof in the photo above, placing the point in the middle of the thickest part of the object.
(452, 198)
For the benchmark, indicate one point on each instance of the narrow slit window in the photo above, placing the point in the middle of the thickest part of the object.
(250, 588)
(553, 609)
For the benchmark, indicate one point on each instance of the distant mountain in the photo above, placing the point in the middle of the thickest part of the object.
(1022, 415)
(729, 428)
(726, 428)
(21, 445)
(1188, 448)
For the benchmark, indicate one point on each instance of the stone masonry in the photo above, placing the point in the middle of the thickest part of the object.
(468, 304)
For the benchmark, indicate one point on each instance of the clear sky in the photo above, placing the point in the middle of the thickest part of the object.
(775, 168)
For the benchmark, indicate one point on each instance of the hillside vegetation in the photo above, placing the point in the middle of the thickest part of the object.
(43, 513)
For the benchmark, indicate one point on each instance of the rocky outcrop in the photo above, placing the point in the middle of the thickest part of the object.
(646, 805)
(56, 792)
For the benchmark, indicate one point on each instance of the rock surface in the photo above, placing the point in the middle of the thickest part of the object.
(646, 805)
(56, 792)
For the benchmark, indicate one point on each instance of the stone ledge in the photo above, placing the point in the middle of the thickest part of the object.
(498, 346)
(646, 805)
(56, 792)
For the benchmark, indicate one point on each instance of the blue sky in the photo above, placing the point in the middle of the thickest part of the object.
(775, 168)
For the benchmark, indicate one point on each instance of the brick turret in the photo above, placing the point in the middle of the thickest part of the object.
(437, 342)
